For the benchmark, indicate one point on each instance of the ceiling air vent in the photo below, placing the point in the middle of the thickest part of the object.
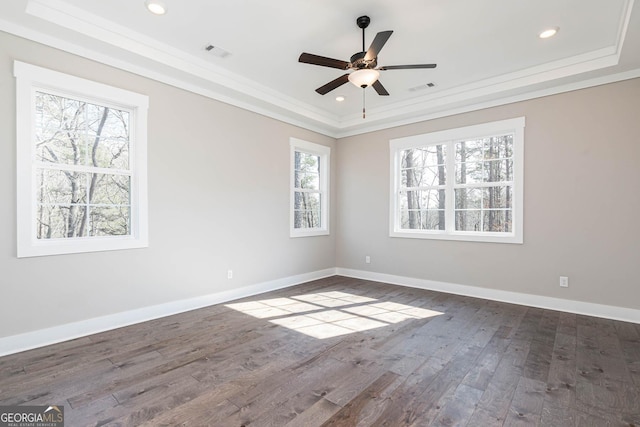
(421, 87)
(217, 51)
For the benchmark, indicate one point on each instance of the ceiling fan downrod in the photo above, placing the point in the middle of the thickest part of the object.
(363, 22)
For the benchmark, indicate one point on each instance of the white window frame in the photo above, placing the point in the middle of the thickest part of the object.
(449, 137)
(31, 79)
(325, 158)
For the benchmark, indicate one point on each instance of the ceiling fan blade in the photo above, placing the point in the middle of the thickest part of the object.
(309, 58)
(406, 67)
(323, 90)
(377, 44)
(380, 89)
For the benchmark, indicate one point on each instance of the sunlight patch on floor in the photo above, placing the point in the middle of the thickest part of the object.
(331, 314)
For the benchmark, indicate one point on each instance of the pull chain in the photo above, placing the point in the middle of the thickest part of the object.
(363, 111)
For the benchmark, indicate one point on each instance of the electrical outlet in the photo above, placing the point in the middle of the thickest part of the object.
(229, 274)
(367, 259)
(564, 282)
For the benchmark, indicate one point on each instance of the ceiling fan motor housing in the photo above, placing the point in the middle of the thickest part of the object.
(358, 62)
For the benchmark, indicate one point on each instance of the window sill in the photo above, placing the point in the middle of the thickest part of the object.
(511, 238)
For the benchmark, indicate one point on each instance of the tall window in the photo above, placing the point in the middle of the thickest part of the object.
(309, 188)
(459, 184)
(81, 164)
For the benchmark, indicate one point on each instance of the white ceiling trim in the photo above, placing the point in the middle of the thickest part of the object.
(624, 27)
(583, 84)
(252, 96)
(543, 73)
(63, 45)
(98, 28)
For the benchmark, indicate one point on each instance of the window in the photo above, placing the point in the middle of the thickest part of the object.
(309, 188)
(459, 184)
(81, 167)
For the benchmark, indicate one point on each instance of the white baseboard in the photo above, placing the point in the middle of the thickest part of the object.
(42, 337)
(69, 331)
(570, 306)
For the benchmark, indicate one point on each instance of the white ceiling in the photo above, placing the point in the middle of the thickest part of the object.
(488, 51)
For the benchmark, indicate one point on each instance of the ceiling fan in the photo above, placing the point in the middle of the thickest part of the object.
(364, 64)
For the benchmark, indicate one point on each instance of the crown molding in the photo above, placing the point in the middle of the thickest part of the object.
(188, 72)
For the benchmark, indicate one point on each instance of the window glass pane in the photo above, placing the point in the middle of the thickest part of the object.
(109, 189)
(309, 180)
(74, 132)
(468, 198)
(469, 220)
(60, 129)
(306, 209)
(469, 173)
(109, 220)
(108, 137)
(469, 151)
(307, 219)
(423, 177)
(306, 162)
(422, 199)
(423, 166)
(497, 221)
(60, 221)
(431, 219)
(498, 147)
(497, 197)
(61, 187)
(109, 153)
(498, 170)
(421, 157)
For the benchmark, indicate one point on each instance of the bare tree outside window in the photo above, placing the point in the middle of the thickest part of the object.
(484, 184)
(307, 197)
(423, 178)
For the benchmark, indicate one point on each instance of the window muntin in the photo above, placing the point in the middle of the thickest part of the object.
(460, 184)
(81, 164)
(309, 188)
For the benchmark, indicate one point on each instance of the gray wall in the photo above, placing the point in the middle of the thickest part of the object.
(218, 200)
(581, 203)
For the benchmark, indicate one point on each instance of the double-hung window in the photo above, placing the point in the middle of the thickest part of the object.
(81, 151)
(309, 210)
(459, 184)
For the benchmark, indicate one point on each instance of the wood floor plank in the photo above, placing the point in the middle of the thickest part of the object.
(527, 402)
(352, 412)
(459, 409)
(344, 352)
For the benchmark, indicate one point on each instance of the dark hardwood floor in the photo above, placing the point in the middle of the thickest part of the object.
(342, 352)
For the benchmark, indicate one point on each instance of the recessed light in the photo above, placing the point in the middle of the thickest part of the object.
(340, 98)
(156, 7)
(550, 32)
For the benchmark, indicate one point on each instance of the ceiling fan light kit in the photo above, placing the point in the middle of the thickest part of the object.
(364, 78)
(363, 65)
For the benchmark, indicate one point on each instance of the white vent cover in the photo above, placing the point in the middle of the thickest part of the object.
(217, 51)
(422, 87)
